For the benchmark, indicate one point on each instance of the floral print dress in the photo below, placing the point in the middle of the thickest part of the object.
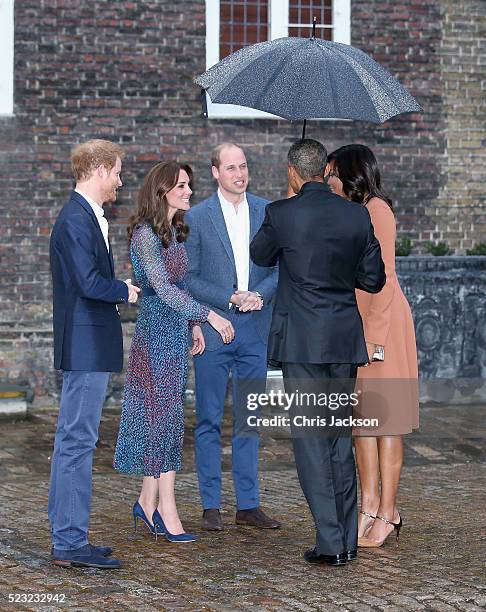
(151, 431)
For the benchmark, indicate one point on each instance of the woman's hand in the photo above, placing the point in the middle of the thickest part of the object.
(198, 342)
(222, 326)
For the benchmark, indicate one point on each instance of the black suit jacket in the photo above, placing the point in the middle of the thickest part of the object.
(325, 247)
(87, 328)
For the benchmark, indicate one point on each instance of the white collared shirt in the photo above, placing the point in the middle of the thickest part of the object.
(238, 226)
(100, 216)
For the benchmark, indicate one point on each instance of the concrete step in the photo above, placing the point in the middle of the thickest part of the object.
(13, 401)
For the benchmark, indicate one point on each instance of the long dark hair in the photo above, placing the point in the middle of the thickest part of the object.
(358, 171)
(152, 206)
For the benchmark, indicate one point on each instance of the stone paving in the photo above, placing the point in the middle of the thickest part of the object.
(440, 564)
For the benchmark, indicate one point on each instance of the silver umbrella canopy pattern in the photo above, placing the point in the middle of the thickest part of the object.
(307, 78)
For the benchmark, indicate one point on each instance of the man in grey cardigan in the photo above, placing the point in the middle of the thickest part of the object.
(221, 275)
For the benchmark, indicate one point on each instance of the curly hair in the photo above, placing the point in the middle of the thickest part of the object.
(152, 205)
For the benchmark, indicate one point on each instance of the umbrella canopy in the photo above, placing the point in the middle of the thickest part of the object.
(307, 78)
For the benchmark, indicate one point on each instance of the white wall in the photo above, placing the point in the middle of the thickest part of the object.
(6, 56)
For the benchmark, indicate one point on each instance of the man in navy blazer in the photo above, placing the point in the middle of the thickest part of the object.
(88, 345)
(221, 275)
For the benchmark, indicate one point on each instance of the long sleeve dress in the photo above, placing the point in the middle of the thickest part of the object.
(151, 430)
(390, 387)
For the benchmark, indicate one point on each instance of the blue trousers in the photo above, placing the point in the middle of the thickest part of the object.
(246, 359)
(82, 398)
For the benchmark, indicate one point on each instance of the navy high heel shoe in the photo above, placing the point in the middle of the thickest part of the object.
(138, 513)
(161, 529)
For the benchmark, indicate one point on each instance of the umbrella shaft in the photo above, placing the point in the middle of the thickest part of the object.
(303, 129)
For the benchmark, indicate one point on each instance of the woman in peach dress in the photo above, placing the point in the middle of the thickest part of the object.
(389, 383)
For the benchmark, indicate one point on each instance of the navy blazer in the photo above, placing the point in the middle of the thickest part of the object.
(325, 247)
(211, 277)
(87, 327)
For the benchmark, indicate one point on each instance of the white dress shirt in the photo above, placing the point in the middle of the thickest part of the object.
(237, 221)
(100, 216)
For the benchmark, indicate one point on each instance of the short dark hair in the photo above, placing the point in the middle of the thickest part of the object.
(308, 157)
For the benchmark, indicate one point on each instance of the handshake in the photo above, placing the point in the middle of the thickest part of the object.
(133, 291)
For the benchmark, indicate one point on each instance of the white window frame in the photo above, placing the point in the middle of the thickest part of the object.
(279, 27)
(6, 57)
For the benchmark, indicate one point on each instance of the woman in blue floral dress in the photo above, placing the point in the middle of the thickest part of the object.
(151, 432)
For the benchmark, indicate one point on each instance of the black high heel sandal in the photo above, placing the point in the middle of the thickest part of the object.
(396, 526)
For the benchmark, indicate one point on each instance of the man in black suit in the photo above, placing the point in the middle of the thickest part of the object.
(325, 248)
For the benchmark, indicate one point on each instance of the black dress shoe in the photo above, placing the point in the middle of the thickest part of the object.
(255, 517)
(312, 556)
(211, 520)
(351, 555)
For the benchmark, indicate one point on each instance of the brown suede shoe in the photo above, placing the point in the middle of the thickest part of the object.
(255, 517)
(211, 520)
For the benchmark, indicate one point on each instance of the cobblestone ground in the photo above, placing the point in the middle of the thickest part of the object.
(438, 566)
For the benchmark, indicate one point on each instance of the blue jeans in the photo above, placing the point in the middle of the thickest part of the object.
(82, 398)
(246, 358)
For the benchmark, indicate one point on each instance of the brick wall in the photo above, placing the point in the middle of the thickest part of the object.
(463, 69)
(124, 71)
(460, 214)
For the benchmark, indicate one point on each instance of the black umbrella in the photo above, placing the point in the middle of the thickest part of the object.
(305, 78)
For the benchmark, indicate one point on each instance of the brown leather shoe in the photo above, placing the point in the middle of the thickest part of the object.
(211, 520)
(255, 517)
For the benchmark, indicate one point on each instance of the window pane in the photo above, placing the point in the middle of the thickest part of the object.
(241, 24)
(301, 14)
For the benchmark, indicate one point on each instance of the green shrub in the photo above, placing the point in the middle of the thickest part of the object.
(403, 247)
(479, 249)
(438, 250)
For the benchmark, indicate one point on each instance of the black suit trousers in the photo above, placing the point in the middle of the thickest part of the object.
(324, 458)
